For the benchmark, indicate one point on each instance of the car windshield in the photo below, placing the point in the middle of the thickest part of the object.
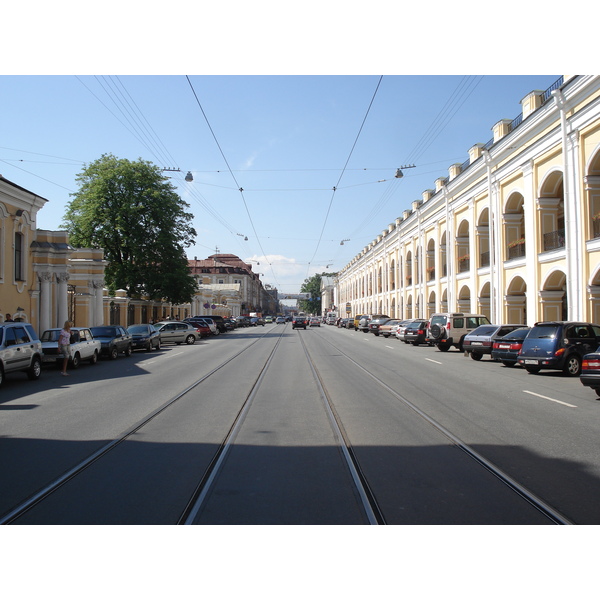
(138, 329)
(103, 331)
(51, 335)
(517, 334)
(484, 330)
(544, 331)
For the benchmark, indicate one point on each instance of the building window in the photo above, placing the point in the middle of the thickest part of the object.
(221, 281)
(19, 257)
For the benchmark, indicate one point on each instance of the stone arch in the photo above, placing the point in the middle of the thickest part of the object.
(514, 226)
(515, 301)
(463, 256)
(484, 300)
(431, 304)
(483, 238)
(553, 297)
(464, 299)
(592, 191)
(551, 213)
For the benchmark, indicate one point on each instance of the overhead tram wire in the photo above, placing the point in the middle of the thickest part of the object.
(241, 190)
(165, 156)
(117, 98)
(344, 169)
(460, 95)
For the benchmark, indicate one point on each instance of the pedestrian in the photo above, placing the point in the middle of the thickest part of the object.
(8, 318)
(64, 345)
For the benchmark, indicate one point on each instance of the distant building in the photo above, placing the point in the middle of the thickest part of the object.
(229, 284)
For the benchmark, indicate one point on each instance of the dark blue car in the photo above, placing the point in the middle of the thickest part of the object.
(558, 345)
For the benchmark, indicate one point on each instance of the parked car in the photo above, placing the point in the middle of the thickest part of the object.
(506, 349)
(415, 332)
(83, 346)
(315, 322)
(218, 320)
(375, 324)
(230, 324)
(20, 350)
(280, 320)
(559, 345)
(243, 321)
(481, 340)
(256, 321)
(402, 328)
(202, 328)
(590, 371)
(113, 339)
(144, 337)
(176, 332)
(449, 329)
(357, 319)
(298, 322)
(389, 328)
(365, 321)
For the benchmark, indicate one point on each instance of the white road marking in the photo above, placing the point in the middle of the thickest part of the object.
(390, 347)
(435, 361)
(551, 399)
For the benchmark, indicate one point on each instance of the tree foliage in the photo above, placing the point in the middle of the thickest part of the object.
(312, 286)
(133, 212)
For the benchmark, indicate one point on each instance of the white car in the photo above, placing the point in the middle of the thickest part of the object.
(83, 346)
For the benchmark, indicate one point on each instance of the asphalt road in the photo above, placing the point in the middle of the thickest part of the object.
(284, 465)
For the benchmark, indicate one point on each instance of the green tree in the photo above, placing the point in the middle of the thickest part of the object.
(312, 286)
(134, 213)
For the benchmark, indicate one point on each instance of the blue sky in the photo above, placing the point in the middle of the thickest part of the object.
(285, 102)
(287, 141)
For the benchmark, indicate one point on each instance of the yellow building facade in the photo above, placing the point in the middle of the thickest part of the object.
(512, 233)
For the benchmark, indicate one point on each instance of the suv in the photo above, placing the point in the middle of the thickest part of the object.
(449, 329)
(20, 350)
(299, 322)
(558, 345)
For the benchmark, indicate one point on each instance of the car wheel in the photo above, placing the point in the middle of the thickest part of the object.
(158, 345)
(533, 370)
(476, 355)
(597, 390)
(76, 360)
(190, 339)
(94, 358)
(415, 343)
(149, 346)
(572, 367)
(35, 369)
(508, 364)
(444, 347)
(128, 351)
(113, 353)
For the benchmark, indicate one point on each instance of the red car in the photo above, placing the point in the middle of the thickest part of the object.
(202, 329)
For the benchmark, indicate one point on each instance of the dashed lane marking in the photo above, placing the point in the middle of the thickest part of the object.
(551, 399)
(434, 361)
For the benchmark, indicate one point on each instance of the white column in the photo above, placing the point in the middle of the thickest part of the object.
(45, 301)
(62, 298)
(98, 302)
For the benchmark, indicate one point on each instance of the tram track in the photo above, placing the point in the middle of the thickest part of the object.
(553, 515)
(47, 490)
